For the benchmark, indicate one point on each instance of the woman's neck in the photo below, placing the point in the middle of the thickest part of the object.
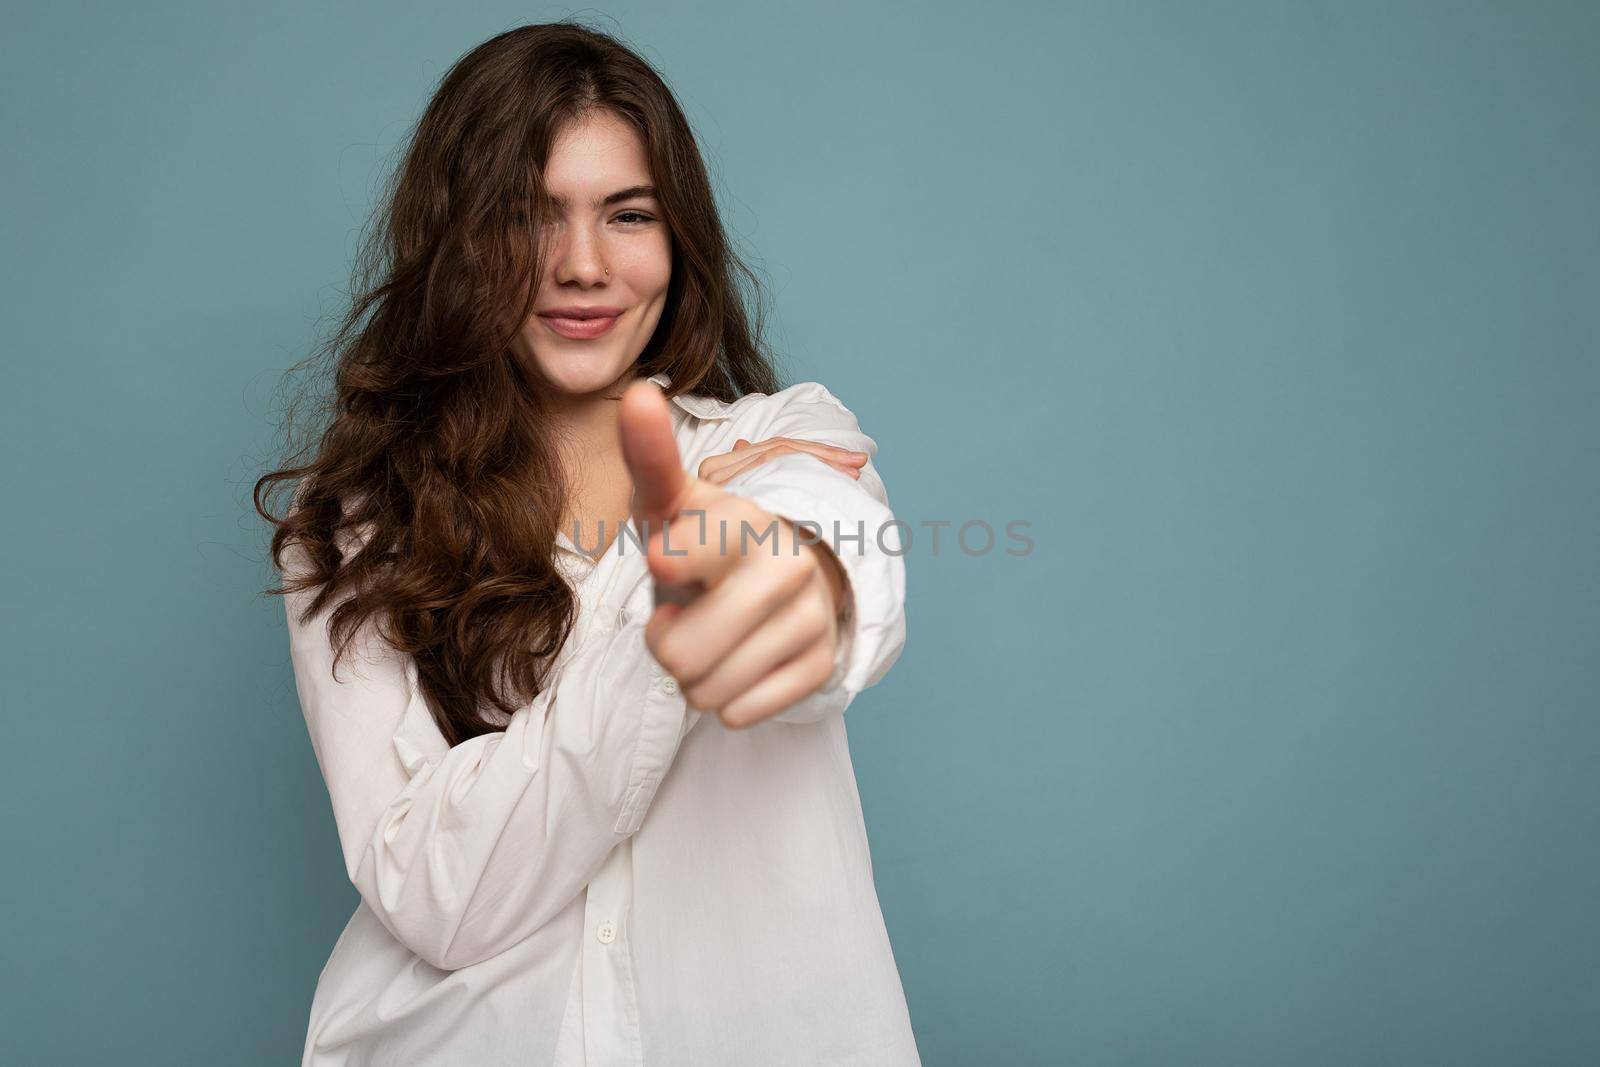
(598, 483)
(585, 427)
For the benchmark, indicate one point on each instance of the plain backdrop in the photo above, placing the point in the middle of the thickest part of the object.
(1275, 321)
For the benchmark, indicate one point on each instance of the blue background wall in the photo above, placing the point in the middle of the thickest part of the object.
(1277, 321)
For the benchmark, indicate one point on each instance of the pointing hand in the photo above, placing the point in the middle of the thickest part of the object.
(747, 609)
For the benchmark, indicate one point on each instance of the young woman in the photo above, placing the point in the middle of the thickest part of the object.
(598, 804)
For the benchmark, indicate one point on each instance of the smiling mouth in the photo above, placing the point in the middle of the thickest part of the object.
(580, 329)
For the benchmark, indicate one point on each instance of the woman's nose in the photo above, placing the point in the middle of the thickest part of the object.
(581, 258)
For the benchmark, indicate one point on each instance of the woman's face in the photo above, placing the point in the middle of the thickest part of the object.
(592, 161)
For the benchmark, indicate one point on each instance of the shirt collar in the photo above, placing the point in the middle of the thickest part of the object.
(703, 407)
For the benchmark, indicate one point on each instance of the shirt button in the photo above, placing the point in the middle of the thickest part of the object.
(669, 685)
(607, 932)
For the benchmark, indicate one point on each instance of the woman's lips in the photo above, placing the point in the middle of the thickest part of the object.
(581, 329)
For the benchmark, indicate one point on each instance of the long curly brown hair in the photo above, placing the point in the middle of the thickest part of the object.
(426, 496)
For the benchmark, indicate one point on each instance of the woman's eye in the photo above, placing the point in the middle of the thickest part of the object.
(631, 218)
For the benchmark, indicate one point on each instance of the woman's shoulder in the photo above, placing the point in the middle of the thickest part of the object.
(800, 410)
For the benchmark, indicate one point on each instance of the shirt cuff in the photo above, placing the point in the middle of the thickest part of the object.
(848, 616)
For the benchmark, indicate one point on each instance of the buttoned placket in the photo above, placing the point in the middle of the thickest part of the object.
(602, 1012)
(600, 1026)
(610, 999)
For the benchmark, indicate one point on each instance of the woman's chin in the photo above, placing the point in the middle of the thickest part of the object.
(579, 375)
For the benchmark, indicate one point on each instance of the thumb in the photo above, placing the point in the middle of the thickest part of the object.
(651, 453)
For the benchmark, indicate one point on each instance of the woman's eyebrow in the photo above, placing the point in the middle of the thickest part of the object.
(629, 193)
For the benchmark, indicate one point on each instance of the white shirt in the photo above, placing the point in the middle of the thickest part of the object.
(614, 878)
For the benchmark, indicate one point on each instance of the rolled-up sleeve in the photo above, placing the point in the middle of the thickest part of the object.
(852, 519)
(464, 851)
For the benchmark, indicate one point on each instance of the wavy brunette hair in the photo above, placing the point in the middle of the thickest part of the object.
(428, 496)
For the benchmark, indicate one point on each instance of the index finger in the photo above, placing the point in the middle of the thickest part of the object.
(651, 453)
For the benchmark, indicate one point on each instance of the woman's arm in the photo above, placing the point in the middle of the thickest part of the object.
(462, 852)
(802, 486)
